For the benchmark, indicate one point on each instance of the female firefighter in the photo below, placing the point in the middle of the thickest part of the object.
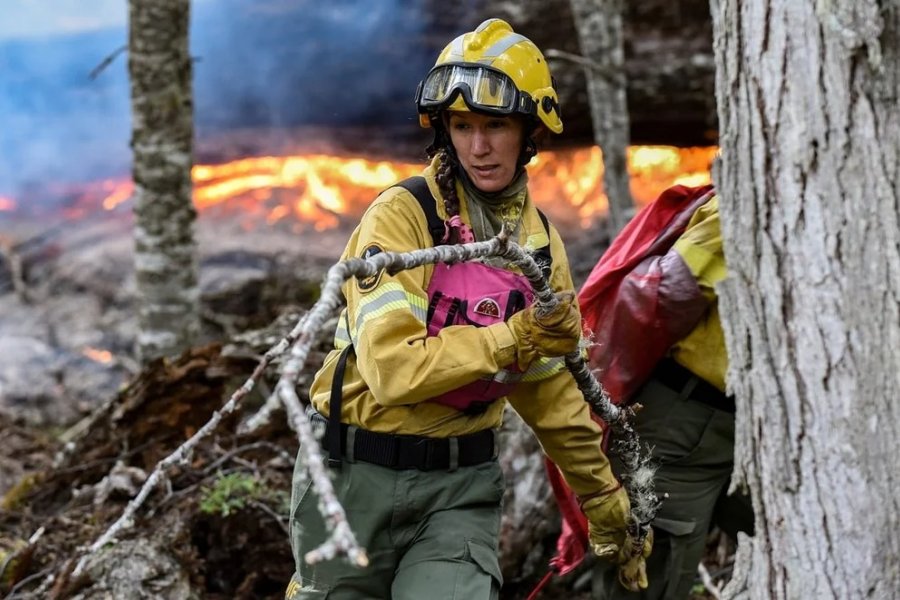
(413, 393)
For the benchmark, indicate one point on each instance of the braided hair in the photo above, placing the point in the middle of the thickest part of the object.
(446, 181)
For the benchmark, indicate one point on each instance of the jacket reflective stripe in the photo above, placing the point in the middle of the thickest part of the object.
(544, 368)
(387, 297)
(341, 335)
(539, 370)
(505, 376)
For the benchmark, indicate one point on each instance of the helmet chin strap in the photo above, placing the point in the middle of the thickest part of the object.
(529, 151)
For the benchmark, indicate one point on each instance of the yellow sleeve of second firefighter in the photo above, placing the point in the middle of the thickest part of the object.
(700, 246)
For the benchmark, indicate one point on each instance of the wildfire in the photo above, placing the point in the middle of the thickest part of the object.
(97, 354)
(314, 188)
(321, 191)
(119, 192)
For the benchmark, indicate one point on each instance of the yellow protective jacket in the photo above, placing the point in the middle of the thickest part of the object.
(396, 368)
(700, 247)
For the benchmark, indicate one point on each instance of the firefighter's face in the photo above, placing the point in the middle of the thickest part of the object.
(487, 146)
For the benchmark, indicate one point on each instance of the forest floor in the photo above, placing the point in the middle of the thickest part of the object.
(79, 438)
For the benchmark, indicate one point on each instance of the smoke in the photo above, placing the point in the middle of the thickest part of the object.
(337, 63)
(259, 63)
(57, 124)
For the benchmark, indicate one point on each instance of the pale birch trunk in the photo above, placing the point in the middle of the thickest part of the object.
(599, 27)
(810, 204)
(159, 66)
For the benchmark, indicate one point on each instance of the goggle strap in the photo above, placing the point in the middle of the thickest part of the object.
(527, 104)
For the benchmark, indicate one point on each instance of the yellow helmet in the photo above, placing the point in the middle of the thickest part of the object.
(490, 70)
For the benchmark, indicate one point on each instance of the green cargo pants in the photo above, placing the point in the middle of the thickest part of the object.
(693, 444)
(427, 534)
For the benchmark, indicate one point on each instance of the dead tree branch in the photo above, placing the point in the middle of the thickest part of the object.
(95, 72)
(708, 582)
(585, 62)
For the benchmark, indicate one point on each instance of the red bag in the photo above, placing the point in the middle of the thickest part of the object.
(625, 367)
(633, 334)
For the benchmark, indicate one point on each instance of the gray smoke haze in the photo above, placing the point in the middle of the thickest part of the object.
(260, 63)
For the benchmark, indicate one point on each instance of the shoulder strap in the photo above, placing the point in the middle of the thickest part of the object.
(334, 409)
(418, 187)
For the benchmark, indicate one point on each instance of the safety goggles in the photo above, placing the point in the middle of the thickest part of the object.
(484, 89)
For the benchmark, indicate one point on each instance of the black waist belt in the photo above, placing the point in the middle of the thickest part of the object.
(672, 375)
(412, 451)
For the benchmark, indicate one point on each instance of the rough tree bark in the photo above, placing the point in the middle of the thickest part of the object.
(599, 27)
(810, 204)
(159, 67)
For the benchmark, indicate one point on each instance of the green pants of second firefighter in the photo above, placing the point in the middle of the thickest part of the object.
(427, 534)
(693, 445)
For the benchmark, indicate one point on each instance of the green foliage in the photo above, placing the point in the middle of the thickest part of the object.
(231, 492)
(698, 591)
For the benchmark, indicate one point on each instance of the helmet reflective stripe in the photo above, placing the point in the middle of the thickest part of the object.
(484, 24)
(456, 50)
(491, 54)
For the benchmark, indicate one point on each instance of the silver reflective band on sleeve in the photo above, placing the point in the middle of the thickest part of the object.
(389, 296)
(544, 368)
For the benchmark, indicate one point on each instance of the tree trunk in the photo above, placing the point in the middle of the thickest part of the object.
(599, 27)
(810, 206)
(159, 66)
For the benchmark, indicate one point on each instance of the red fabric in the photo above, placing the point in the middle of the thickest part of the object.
(652, 231)
(540, 585)
(620, 318)
(572, 542)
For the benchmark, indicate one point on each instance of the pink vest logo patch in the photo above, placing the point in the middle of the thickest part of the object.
(488, 307)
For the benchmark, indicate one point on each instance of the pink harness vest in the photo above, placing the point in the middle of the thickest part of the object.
(480, 295)
(472, 294)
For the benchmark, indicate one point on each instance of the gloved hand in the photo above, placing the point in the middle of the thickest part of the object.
(607, 521)
(633, 565)
(554, 334)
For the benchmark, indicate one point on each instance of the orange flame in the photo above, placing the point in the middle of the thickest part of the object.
(320, 190)
(119, 192)
(97, 354)
(314, 188)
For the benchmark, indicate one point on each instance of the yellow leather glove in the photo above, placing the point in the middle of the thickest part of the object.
(633, 563)
(554, 334)
(607, 517)
(609, 539)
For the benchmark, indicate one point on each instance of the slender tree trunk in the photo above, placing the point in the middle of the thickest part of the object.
(599, 27)
(810, 203)
(159, 66)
